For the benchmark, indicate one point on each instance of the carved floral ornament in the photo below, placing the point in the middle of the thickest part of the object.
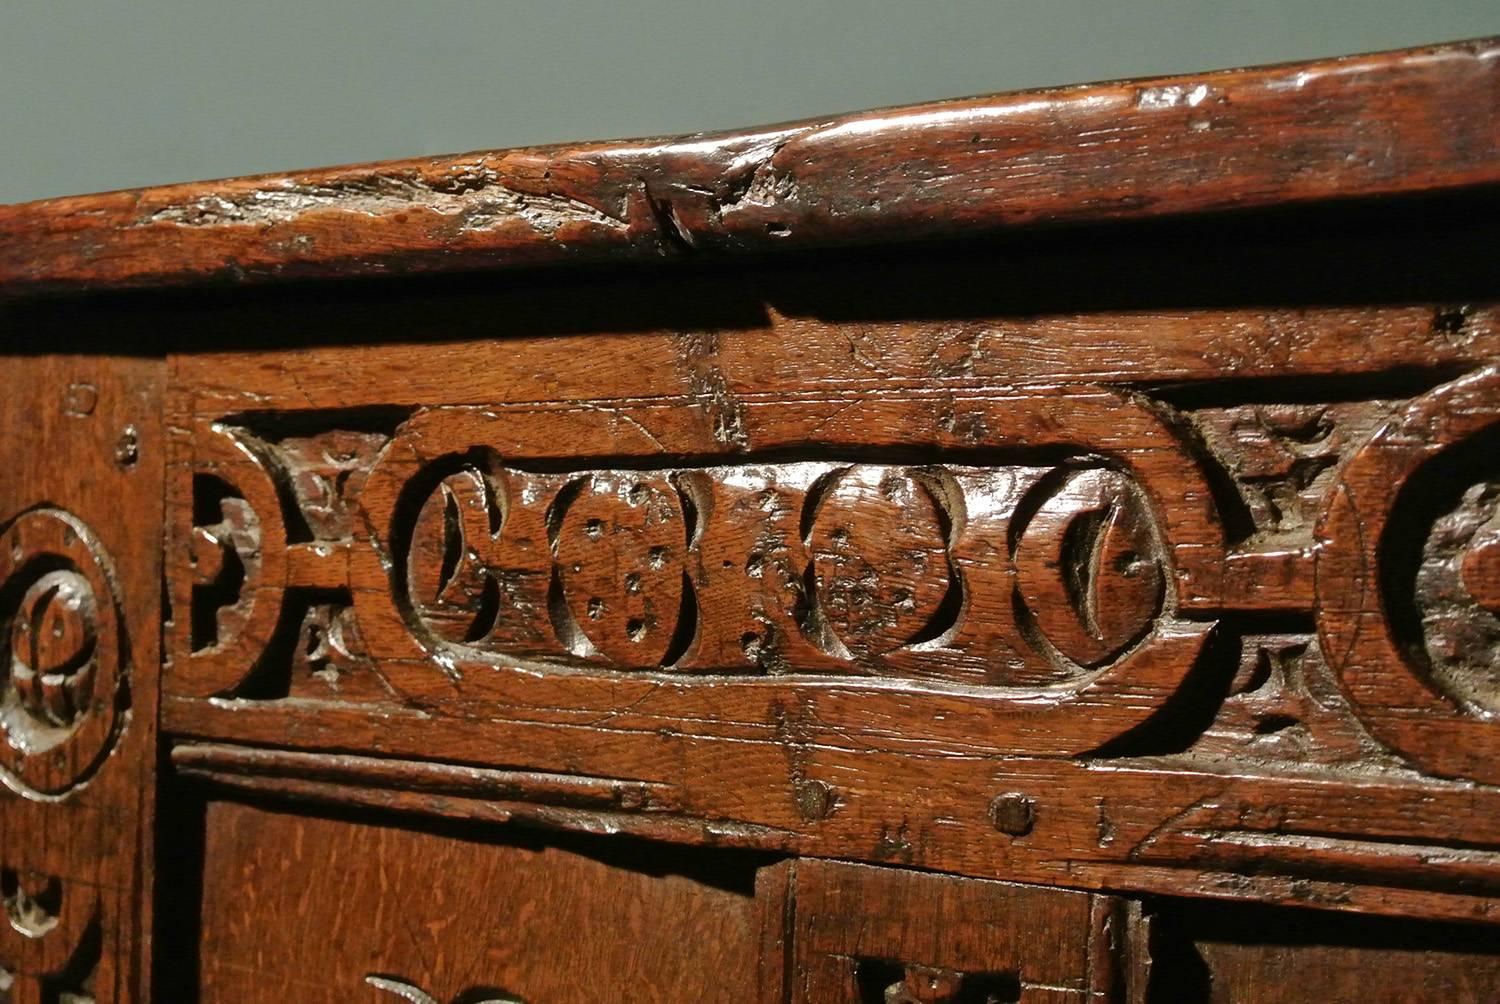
(44, 936)
(62, 676)
(1001, 555)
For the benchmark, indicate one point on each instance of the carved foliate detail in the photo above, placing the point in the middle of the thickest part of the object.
(416, 995)
(1284, 704)
(49, 933)
(226, 554)
(1034, 565)
(62, 675)
(1282, 456)
(267, 536)
(1460, 629)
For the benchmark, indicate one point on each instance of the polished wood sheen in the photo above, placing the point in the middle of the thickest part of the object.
(856, 586)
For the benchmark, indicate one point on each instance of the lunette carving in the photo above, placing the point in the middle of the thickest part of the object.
(806, 567)
(866, 569)
(1043, 571)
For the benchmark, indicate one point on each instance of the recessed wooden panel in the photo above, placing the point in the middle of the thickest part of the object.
(313, 909)
(866, 935)
(1223, 954)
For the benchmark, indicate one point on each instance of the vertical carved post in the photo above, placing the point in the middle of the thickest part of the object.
(80, 566)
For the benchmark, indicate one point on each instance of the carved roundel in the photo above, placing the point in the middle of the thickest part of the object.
(1455, 597)
(1089, 566)
(620, 554)
(880, 563)
(1407, 580)
(61, 673)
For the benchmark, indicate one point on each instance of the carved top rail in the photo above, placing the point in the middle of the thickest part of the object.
(1386, 124)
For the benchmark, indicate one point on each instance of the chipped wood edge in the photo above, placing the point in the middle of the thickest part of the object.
(1406, 122)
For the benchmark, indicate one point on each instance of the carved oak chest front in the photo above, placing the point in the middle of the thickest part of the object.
(1039, 548)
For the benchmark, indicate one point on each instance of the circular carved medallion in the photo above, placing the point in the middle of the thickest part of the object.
(1460, 637)
(879, 546)
(61, 675)
(1406, 580)
(1089, 566)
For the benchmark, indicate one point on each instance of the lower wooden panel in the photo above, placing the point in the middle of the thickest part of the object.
(313, 910)
(1221, 954)
(368, 909)
(866, 935)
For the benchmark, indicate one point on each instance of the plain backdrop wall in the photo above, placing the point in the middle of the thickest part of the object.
(99, 95)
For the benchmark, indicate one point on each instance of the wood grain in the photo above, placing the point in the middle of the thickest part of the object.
(917, 557)
(80, 505)
(459, 919)
(950, 941)
(1362, 126)
(547, 635)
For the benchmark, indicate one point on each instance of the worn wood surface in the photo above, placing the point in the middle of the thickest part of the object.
(876, 936)
(542, 636)
(848, 586)
(403, 915)
(80, 564)
(1253, 954)
(1380, 125)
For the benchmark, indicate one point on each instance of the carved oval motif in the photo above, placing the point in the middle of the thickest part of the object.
(52, 648)
(1088, 566)
(451, 588)
(879, 545)
(621, 558)
(62, 669)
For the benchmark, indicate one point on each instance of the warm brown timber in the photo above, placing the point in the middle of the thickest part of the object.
(400, 913)
(1378, 125)
(80, 563)
(751, 633)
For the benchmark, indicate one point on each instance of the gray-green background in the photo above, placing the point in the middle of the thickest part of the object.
(98, 95)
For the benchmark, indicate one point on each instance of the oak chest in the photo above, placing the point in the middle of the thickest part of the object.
(1035, 548)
